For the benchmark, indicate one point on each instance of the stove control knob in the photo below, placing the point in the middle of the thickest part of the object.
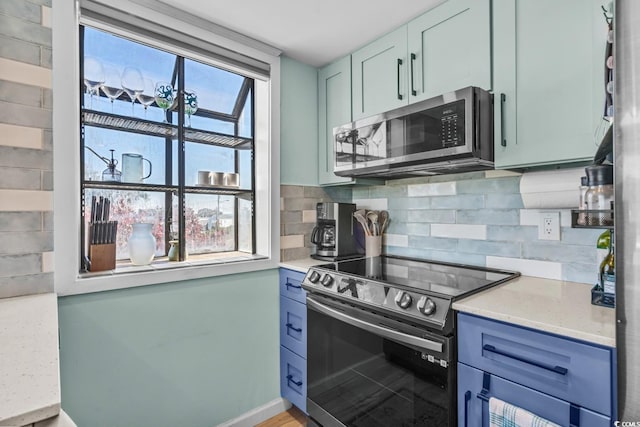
(426, 306)
(327, 280)
(314, 277)
(403, 300)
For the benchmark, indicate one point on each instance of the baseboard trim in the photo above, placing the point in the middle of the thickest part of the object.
(259, 414)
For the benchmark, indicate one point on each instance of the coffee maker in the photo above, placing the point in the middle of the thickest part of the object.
(333, 234)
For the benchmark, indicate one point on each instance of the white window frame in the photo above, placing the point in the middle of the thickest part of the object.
(66, 143)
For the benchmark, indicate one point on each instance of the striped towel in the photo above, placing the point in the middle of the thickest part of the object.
(503, 414)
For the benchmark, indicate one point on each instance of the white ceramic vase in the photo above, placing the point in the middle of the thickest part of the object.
(142, 244)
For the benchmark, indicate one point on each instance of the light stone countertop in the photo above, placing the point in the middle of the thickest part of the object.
(29, 369)
(301, 265)
(559, 307)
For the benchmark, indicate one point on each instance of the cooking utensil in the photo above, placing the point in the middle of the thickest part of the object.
(384, 220)
(373, 217)
(359, 215)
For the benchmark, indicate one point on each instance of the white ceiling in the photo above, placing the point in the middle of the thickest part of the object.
(315, 32)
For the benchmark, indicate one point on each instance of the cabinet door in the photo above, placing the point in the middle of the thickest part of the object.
(549, 64)
(334, 109)
(291, 285)
(293, 378)
(293, 326)
(473, 411)
(450, 48)
(380, 75)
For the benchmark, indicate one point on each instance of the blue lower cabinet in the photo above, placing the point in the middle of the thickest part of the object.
(290, 285)
(293, 378)
(293, 338)
(293, 326)
(475, 387)
(568, 382)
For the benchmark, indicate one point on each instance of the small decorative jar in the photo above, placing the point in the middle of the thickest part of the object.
(174, 251)
(142, 244)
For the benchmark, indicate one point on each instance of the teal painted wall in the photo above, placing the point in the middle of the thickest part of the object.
(193, 353)
(298, 123)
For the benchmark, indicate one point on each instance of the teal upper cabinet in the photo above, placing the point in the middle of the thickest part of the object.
(548, 64)
(380, 75)
(450, 48)
(446, 48)
(334, 109)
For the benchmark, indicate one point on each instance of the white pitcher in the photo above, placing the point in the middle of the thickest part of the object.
(132, 168)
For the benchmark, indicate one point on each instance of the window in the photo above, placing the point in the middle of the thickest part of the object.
(225, 222)
(181, 163)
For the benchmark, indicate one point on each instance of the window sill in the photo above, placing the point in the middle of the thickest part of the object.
(127, 275)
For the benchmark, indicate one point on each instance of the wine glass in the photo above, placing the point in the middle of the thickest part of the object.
(112, 83)
(93, 77)
(147, 96)
(132, 83)
(165, 95)
(190, 104)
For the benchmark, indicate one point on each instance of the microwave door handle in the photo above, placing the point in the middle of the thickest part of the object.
(375, 329)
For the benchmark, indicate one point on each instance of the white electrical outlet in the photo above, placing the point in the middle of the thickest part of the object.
(549, 226)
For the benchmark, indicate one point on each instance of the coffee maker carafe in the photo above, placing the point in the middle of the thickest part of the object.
(333, 235)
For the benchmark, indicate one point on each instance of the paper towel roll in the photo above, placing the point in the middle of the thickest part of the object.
(557, 189)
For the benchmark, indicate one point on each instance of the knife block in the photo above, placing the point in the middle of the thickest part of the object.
(102, 257)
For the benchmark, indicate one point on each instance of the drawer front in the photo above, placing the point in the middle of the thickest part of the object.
(293, 378)
(473, 410)
(569, 370)
(290, 285)
(293, 326)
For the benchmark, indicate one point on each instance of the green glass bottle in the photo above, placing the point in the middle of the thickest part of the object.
(608, 269)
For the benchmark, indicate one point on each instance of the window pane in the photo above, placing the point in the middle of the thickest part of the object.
(245, 127)
(129, 207)
(245, 221)
(245, 169)
(109, 56)
(201, 157)
(216, 89)
(209, 223)
(149, 147)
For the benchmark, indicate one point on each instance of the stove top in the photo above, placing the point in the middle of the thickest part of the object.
(411, 288)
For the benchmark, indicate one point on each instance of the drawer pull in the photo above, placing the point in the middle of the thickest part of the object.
(291, 380)
(557, 369)
(290, 326)
(291, 285)
(467, 397)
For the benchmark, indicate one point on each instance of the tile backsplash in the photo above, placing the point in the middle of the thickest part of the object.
(26, 143)
(298, 216)
(474, 218)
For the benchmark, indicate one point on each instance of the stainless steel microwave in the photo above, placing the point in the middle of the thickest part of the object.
(449, 133)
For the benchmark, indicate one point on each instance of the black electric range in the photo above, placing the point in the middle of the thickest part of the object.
(417, 290)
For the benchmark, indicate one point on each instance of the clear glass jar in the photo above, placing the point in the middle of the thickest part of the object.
(582, 216)
(599, 196)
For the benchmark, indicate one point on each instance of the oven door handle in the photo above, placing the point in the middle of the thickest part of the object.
(376, 329)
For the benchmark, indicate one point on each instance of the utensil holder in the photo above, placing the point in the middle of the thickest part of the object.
(372, 246)
(102, 257)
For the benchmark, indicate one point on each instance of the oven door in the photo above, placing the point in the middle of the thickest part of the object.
(367, 370)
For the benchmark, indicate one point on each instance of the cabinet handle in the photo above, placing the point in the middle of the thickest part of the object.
(291, 285)
(291, 380)
(503, 140)
(399, 64)
(290, 326)
(413, 58)
(557, 369)
(467, 397)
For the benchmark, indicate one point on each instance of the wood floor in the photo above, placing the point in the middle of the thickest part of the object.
(291, 418)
